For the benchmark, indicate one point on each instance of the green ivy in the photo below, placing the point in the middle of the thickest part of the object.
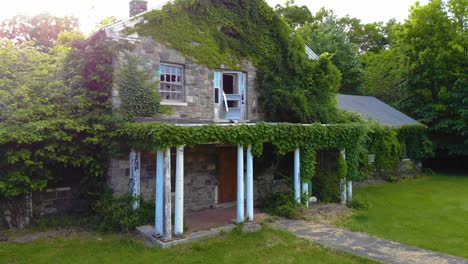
(384, 144)
(136, 90)
(342, 167)
(285, 137)
(415, 142)
(219, 32)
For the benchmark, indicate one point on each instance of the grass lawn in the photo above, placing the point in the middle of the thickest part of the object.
(429, 212)
(266, 246)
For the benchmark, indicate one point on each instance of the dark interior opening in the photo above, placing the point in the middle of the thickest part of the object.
(228, 87)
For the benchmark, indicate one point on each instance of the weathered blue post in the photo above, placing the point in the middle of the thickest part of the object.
(179, 193)
(159, 213)
(135, 177)
(250, 200)
(167, 235)
(343, 182)
(305, 190)
(350, 191)
(240, 184)
(297, 193)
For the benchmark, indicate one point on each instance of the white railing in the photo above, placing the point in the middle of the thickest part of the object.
(225, 102)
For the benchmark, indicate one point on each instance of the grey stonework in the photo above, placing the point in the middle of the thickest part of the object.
(200, 177)
(199, 98)
(198, 106)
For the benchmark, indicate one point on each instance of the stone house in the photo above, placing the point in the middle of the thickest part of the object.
(208, 174)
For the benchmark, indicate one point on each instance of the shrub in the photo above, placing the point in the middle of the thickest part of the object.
(358, 204)
(326, 182)
(282, 204)
(117, 213)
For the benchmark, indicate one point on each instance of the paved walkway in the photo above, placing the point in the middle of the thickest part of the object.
(365, 245)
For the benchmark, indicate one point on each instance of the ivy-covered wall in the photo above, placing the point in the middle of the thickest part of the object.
(226, 32)
(199, 103)
(285, 137)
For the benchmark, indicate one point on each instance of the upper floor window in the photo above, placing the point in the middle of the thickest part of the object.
(171, 84)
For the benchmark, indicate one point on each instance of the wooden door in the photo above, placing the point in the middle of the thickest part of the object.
(227, 171)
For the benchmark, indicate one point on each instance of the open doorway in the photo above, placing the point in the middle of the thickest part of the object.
(231, 86)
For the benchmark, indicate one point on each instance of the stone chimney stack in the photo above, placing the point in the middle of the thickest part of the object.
(137, 7)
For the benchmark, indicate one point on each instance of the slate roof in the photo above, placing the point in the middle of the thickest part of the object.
(373, 108)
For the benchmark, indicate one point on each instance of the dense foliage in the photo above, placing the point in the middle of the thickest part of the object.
(139, 94)
(285, 137)
(54, 112)
(117, 213)
(424, 72)
(41, 30)
(292, 87)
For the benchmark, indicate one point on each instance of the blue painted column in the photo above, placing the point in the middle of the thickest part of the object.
(249, 179)
(179, 193)
(240, 184)
(135, 177)
(343, 182)
(305, 190)
(297, 181)
(159, 213)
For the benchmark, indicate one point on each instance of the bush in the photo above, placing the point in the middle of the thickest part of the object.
(117, 213)
(282, 204)
(326, 182)
(357, 204)
(62, 221)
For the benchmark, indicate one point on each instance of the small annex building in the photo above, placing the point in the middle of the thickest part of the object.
(372, 108)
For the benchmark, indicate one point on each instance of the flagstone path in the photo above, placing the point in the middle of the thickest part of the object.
(364, 245)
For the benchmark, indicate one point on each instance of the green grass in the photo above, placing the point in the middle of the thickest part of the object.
(266, 246)
(429, 212)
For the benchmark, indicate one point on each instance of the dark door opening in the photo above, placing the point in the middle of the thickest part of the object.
(228, 87)
(227, 171)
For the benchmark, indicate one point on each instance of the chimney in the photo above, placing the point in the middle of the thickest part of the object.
(137, 7)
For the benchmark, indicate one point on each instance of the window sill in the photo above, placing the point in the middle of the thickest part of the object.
(174, 103)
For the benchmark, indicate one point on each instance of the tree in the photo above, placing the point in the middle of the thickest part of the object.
(432, 42)
(326, 34)
(295, 16)
(42, 29)
(384, 75)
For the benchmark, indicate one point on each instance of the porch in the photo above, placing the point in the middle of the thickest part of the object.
(169, 194)
(234, 188)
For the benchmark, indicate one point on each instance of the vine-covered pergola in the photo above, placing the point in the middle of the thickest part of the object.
(302, 139)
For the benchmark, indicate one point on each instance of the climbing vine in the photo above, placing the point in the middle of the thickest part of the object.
(285, 137)
(137, 92)
(226, 32)
(415, 142)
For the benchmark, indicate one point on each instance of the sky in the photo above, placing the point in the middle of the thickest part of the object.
(90, 12)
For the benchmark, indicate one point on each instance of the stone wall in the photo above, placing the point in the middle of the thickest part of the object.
(199, 104)
(200, 177)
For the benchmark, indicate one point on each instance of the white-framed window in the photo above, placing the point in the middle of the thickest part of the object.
(171, 83)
